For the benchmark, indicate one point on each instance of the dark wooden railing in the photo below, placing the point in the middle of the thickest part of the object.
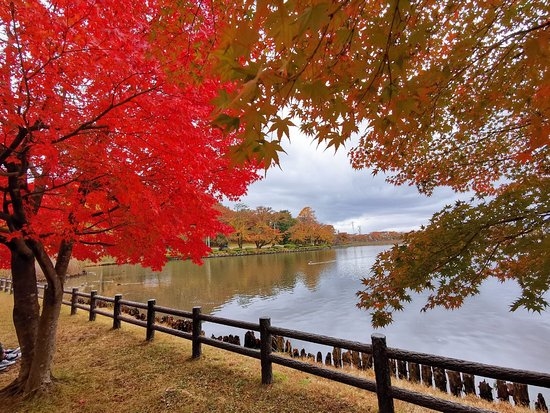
(383, 357)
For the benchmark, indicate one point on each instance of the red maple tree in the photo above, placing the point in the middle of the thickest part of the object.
(106, 149)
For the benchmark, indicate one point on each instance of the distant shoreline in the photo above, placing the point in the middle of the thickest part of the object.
(282, 249)
(236, 252)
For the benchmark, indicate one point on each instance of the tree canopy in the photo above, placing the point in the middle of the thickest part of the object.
(111, 151)
(309, 230)
(436, 93)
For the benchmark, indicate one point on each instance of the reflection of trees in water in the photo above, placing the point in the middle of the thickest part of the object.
(319, 262)
(182, 284)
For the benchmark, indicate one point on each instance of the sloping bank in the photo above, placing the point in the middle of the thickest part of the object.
(102, 370)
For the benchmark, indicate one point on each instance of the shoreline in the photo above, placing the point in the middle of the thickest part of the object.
(239, 252)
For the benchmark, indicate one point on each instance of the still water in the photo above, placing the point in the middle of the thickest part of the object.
(315, 292)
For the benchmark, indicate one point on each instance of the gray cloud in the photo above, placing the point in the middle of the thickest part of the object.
(351, 200)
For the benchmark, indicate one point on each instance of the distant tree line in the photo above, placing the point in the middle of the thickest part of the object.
(263, 226)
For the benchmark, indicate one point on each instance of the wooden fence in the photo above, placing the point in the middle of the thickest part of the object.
(387, 361)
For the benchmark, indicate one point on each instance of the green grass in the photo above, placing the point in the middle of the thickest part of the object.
(103, 370)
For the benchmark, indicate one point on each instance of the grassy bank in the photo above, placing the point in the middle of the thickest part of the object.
(103, 370)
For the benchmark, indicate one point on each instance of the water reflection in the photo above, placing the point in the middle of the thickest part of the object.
(181, 284)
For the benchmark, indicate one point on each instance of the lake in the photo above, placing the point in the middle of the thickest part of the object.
(315, 292)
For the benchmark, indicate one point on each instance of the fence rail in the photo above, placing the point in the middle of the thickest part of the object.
(386, 360)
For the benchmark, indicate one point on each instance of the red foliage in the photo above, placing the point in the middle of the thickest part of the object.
(114, 142)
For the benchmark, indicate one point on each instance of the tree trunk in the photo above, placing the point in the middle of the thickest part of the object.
(36, 331)
(40, 372)
(26, 309)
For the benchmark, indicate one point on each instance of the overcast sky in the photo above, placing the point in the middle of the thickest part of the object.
(352, 201)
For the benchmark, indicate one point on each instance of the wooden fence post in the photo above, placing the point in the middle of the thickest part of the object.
(116, 312)
(414, 372)
(427, 375)
(197, 328)
(382, 373)
(150, 319)
(92, 305)
(74, 300)
(265, 350)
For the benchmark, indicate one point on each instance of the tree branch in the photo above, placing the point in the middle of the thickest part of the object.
(90, 124)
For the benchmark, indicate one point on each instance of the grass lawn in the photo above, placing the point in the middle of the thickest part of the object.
(98, 370)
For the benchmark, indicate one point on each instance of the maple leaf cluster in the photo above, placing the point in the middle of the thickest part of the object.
(433, 93)
(104, 144)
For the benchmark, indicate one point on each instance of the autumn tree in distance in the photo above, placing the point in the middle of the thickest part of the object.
(309, 230)
(106, 149)
(437, 93)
